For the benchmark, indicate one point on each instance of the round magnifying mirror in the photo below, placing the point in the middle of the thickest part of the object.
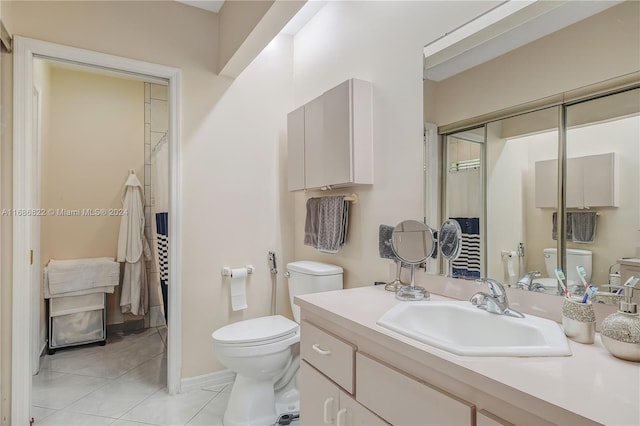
(413, 242)
(450, 241)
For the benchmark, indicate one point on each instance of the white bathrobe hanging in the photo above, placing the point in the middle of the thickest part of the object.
(133, 249)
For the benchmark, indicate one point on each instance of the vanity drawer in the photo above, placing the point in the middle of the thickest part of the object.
(330, 355)
(413, 402)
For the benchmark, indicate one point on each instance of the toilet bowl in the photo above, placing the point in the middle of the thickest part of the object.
(574, 257)
(259, 351)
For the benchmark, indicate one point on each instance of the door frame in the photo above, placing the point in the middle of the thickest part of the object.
(25, 187)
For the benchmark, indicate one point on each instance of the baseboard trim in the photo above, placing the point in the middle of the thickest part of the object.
(217, 378)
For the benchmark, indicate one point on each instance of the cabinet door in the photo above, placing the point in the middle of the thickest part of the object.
(575, 183)
(314, 152)
(353, 414)
(337, 147)
(546, 188)
(484, 418)
(600, 180)
(413, 402)
(295, 148)
(319, 398)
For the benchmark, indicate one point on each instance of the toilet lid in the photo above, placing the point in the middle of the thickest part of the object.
(256, 330)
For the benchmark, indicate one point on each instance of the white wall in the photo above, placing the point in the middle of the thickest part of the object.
(380, 42)
(236, 206)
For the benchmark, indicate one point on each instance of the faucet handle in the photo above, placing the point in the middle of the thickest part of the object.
(496, 289)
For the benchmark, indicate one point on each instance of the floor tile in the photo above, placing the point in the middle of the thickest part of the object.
(112, 361)
(128, 423)
(69, 418)
(57, 390)
(212, 413)
(163, 409)
(113, 400)
(41, 413)
(226, 388)
(124, 393)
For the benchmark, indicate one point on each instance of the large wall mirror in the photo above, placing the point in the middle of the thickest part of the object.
(465, 201)
(500, 182)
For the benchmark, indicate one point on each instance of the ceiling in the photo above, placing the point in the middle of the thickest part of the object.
(210, 5)
(295, 24)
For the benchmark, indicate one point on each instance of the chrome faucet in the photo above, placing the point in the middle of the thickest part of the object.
(496, 301)
(526, 282)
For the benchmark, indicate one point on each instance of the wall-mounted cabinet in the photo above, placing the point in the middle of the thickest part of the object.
(592, 181)
(330, 140)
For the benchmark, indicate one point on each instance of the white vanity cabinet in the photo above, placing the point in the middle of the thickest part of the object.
(322, 402)
(337, 388)
(327, 373)
(484, 418)
(592, 181)
(330, 139)
(413, 403)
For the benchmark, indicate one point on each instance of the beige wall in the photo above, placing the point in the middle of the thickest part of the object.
(6, 257)
(593, 50)
(95, 134)
(233, 150)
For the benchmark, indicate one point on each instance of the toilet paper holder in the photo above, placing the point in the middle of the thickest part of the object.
(226, 271)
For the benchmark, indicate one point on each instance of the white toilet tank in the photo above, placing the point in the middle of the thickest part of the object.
(575, 257)
(306, 276)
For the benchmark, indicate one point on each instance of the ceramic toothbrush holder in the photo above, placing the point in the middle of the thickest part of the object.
(579, 320)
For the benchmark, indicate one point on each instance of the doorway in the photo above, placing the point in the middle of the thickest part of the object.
(26, 196)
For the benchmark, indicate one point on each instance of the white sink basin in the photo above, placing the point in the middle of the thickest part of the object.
(463, 329)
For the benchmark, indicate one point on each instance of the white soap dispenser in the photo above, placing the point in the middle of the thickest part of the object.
(620, 332)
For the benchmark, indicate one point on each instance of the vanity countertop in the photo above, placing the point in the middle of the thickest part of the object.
(591, 383)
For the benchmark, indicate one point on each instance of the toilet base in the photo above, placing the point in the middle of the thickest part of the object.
(252, 402)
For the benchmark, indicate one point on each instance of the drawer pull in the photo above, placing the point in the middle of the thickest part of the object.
(339, 416)
(326, 416)
(321, 351)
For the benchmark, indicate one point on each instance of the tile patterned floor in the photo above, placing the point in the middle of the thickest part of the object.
(120, 384)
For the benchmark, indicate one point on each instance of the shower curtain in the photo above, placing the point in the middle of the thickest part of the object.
(160, 182)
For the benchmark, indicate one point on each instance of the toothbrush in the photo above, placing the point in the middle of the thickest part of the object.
(560, 276)
(589, 293)
(582, 273)
(589, 290)
(632, 281)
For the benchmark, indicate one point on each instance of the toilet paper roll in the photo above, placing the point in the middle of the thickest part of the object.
(509, 258)
(239, 289)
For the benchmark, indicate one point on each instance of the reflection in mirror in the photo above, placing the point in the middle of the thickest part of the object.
(450, 241)
(603, 182)
(412, 241)
(465, 198)
(522, 181)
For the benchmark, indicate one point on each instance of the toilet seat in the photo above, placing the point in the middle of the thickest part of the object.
(256, 332)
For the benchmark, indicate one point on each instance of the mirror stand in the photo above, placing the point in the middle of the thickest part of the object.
(412, 292)
(397, 283)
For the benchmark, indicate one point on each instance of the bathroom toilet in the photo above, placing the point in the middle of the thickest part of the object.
(575, 257)
(261, 351)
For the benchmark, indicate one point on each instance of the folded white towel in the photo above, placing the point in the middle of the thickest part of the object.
(65, 276)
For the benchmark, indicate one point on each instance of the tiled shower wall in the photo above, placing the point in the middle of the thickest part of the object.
(156, 125)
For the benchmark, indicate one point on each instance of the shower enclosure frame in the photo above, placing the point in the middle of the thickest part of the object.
(25, 187)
